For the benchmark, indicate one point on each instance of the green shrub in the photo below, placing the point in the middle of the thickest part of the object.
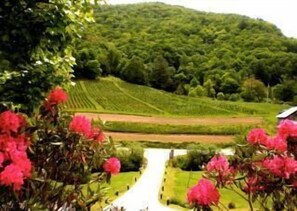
(131, 158)
(234, 97)
(195, 158)
(220, 96)
(197, 91)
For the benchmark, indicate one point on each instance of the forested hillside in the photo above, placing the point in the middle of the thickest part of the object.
(190, 52)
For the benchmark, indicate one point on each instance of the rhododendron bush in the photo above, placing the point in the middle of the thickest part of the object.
(263, 172)
(48, 162)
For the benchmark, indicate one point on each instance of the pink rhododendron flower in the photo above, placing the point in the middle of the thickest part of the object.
(12, 175)
(281, 166)
(276, 143)
(4, 139)
(80, 124)
(57, 96)
(204, 193)
(112, 166)
(257, 136)
(1, 158)
(218, 163)
(9, 121)
(287, 128)
(219, 167)
(20, 159)
(14, 162)
(10, 145)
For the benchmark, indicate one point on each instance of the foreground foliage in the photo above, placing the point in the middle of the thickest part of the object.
(47, 161)
(265, 169)
(36, 47)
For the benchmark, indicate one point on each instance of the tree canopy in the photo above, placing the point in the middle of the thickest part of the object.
(36, 46)
(179, 46)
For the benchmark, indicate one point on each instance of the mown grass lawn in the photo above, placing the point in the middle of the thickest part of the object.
(177, 183)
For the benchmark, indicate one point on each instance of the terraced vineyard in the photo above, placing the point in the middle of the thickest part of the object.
(116, 96)
(80, 100)
(155, 115)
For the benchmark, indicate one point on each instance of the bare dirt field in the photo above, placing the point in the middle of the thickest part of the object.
(170, 138)
(174, 120)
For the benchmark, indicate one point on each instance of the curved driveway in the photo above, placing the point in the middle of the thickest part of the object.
(144, 194)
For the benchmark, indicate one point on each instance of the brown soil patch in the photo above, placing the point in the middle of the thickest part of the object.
(170, 138)
(174, 120)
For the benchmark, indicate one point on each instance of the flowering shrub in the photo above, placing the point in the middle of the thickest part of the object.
(49, 163)
(14, 163)
(263, 170)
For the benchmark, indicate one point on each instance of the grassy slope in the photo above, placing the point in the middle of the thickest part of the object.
(115, 96)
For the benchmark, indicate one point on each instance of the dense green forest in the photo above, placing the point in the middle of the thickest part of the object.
(190, 52)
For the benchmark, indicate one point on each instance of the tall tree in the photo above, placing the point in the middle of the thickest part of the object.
(135, 71)
(253, 90)
(36, 44)
(162, 74)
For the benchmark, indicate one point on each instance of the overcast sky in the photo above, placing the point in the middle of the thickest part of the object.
(282, 13)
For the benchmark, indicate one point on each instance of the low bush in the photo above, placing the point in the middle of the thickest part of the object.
(132, 158)
(195, 158)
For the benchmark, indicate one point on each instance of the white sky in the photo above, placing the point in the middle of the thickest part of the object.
(282, 13)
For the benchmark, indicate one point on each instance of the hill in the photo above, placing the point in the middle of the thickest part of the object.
(190, 52)
(135, 112)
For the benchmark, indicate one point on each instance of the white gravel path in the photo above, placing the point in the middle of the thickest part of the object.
(144, 194)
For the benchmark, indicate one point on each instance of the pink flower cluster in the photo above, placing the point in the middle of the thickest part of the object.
(271, 167)
(287, 128)
(14, 163)
(219, 167)
(9, 122)
(281, 166)
(278, 143)
(112, 166)
(55, 97)
(257, 136)
(83, 126)
(203, 194)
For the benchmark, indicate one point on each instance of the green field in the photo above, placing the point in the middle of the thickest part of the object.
(227, 129)
(112, 95)
(118, 186)
(178, 182)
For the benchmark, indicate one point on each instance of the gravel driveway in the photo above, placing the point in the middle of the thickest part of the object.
(144, 194)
